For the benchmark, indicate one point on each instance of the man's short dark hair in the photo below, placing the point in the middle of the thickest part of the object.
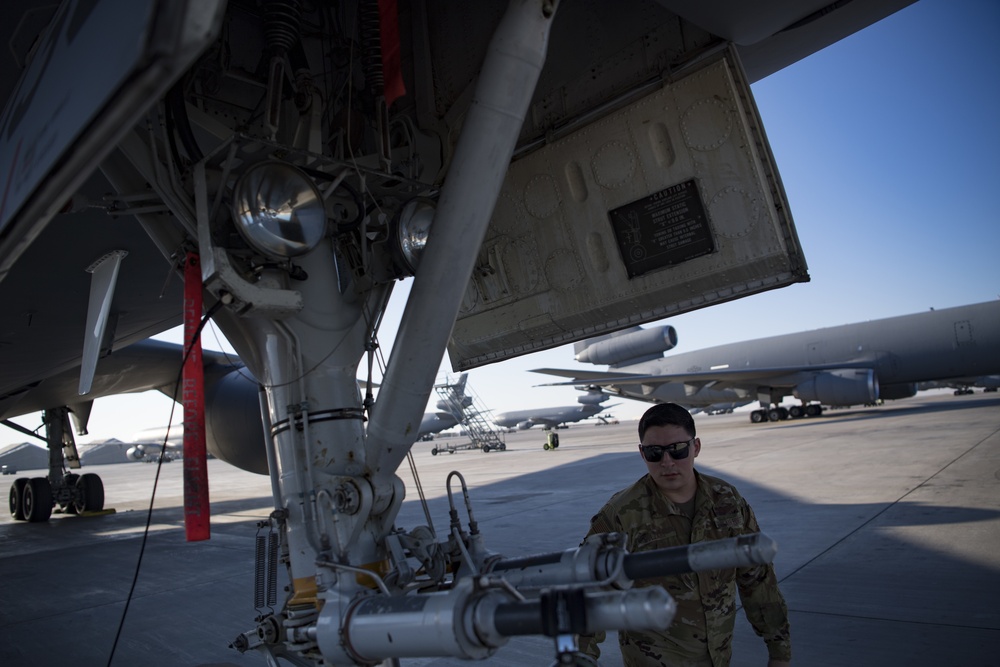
(666, 414)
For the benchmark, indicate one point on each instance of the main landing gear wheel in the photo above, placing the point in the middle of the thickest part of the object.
(90, 494)
(37, 500)
(757, 416)
(17, 498)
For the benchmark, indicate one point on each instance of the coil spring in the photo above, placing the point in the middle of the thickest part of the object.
(281, 24)
(260, 563)
(272, 569)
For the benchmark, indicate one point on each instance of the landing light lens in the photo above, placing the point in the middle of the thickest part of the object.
(414, 225)
(279, 210)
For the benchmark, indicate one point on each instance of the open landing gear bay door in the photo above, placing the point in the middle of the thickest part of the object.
(93, 72)
(668, 204)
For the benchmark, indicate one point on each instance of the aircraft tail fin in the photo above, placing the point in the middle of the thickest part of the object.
(454, 400)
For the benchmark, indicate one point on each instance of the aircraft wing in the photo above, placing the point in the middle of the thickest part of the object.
(722, 378)
(143, 366)
(581, 377)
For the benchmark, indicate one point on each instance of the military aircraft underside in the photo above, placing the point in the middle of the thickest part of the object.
(545, 171)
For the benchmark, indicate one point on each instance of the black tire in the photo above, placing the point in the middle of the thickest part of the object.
(90, 494)
(773, 415)
(796, 412)
(757, 416)
(486, 449)
(503, 447)
(37, 500)
(814, 410)
(434, 451)
(17, 498)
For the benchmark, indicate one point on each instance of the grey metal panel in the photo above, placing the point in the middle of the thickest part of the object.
(550, 270)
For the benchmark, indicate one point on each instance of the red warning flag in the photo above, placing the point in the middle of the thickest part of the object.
(392, 70)
(196, 509)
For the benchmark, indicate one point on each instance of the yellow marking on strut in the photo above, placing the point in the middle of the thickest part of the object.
(305, 591)
(379, 567)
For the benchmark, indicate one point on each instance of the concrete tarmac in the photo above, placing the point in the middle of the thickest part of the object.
(887, 521)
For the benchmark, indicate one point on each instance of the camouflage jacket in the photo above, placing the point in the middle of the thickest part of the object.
(702, 630)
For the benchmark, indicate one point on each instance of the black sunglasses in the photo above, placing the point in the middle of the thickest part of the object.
(676, 451)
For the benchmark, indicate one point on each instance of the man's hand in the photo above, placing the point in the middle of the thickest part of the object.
(778, 663)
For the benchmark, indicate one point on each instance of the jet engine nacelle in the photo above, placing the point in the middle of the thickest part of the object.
(448, 406)
(233, 428)
(524, 426)
(632, 347)
(892, 392)
(847, 386)
(137, 453)
(592, 398)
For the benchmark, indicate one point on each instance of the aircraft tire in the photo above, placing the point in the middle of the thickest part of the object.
(796, 412)
(37, 500)
(757, 416)
(17, 498)
(814, 410)
(90, 494)
(773, 415)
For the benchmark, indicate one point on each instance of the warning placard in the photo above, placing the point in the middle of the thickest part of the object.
(667, 227)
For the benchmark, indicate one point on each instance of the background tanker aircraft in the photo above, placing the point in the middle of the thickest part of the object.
(963, 386)
(590, 405)
(545, 171)
(852, 364)
(450, 407)
(151, 443)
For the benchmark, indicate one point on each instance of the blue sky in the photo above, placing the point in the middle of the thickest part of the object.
(888, 144)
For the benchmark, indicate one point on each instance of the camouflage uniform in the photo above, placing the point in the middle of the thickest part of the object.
(701, 634)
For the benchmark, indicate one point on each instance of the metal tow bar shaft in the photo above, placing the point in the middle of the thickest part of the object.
(742, 551)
